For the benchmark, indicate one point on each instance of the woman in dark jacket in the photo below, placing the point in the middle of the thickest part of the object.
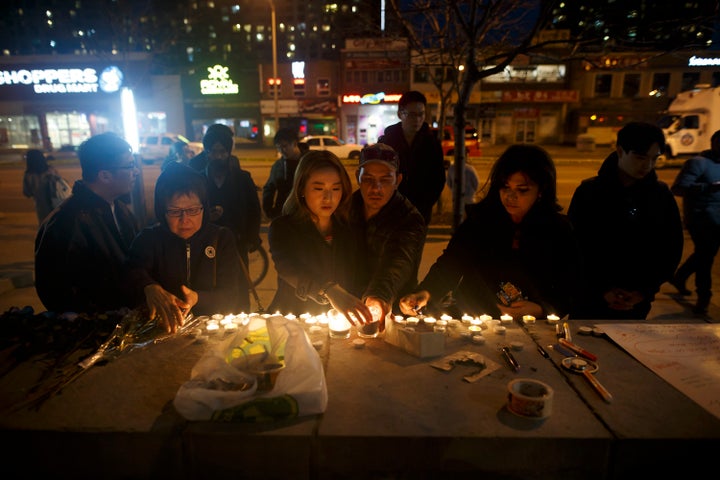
(313, 247)
(515, 253)
(184, 262)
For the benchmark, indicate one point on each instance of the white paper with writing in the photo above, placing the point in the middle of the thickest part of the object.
(685, 355)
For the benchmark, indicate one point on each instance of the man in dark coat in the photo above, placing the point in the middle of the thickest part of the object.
(420, 152)
(232, 196)
(629, 228)
(393, 229)
(82, 247)
(282, 173)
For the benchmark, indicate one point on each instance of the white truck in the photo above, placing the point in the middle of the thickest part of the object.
(691, 119)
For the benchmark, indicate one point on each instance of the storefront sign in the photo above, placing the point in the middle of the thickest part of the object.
(703, 62)
(541, 96)
(65, 80)
(218, 82)
(372, 98)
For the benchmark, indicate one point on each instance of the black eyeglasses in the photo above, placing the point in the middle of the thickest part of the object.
(178, 212)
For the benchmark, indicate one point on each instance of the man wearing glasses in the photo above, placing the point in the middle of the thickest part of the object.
(394, 230)
(81, 247)
(420, 152)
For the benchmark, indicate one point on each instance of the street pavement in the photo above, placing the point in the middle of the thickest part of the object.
(17, 235)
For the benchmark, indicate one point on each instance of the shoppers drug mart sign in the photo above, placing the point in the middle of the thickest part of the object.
(65, 80)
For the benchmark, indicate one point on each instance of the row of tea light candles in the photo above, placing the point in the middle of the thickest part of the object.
(338, 324)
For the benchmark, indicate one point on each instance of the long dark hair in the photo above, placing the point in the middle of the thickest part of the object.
(311, 162)
(530, 160)
(35, 162)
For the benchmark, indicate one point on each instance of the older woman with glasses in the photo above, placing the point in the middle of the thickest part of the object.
(184, 262)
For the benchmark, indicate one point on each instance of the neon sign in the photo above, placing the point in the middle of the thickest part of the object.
(218, 82)
(372, 98)
(703, 62)
(65, 80)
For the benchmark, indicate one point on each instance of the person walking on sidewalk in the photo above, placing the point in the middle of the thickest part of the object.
(81, 248)
(698, 183)
(36, 182)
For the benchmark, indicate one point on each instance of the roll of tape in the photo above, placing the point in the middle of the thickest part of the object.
(530, 398)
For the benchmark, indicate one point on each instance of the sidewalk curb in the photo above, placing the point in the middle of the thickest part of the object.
(12, 279)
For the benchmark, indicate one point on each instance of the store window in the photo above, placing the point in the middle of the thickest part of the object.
(689, 80)
(421, 75)
(631, 85)
(603, 84)
(323, 87)
(715, 79)
(21, 131)
(67, 128)
(660, 84)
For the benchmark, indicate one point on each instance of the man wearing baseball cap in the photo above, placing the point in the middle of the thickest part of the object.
(393, 228)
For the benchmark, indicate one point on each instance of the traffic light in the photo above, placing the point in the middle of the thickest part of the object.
(273, 85)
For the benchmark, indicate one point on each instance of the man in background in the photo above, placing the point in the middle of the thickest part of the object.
(232, 196)
(282, 172)
(628, 227)
(421, 158)
(394, 230)
(82, 247)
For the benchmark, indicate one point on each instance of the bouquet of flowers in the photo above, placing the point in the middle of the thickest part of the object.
(67, 345)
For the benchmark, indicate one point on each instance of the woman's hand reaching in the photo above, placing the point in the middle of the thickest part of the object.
(170, 310)
(349, 305)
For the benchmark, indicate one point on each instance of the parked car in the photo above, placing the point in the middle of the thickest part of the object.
(472, 141)
(333, 144)
(157, 147)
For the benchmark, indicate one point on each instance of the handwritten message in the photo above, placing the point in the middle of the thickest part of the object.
(685, 355)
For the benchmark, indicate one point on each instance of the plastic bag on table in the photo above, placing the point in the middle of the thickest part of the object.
(267, 370)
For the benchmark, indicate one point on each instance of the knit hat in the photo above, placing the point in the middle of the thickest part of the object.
(218, 133)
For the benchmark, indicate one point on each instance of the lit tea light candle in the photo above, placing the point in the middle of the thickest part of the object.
(399, 319)
(412, 321)
(528, 319)
(443, 322)
(429, 320)
(230, 327)
(553, 319)
(445, 317)
(467, 318)
(474, 329)
(339, 326)
(291, 316)
(212, 327)
(505, 318)
(217, 316)
(476, 321)
(485, 317)
(305, 316)
(311, 320)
